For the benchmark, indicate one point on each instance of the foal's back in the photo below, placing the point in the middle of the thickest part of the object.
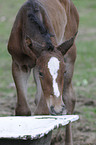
(56, 14)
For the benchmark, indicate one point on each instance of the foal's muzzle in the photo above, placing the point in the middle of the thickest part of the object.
(63, 111)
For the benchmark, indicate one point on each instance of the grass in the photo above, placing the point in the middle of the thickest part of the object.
(85, 68)
(86, 46)
(8, 11)
(86, 10)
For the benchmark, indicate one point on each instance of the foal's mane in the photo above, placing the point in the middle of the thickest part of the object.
(34, 7)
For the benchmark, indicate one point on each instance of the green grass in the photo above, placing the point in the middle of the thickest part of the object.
(86, 10)
(89, 113)
(85, 68)
(85, 61)
(8, 11)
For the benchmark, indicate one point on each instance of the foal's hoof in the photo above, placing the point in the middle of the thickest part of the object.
(22, 112)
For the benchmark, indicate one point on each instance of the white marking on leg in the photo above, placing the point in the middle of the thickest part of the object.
(53, 66)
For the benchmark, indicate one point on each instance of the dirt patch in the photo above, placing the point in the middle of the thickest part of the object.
(83, 133)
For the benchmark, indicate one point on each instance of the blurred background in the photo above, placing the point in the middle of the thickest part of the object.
(84, 80)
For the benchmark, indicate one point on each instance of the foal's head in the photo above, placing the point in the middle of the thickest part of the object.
(51, 69)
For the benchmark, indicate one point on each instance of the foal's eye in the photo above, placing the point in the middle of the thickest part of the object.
(40, 74)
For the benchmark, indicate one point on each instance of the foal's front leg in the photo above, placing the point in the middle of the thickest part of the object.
(69, 100)
(20, 75)
(68, 135)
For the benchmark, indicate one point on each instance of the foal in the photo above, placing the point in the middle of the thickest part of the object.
(38, 40)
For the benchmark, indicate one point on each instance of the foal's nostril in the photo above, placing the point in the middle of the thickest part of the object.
(52, 111)
(63, 105)
(52, 108)
(64, 110)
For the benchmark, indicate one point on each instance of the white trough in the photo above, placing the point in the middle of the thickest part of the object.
(36, 129)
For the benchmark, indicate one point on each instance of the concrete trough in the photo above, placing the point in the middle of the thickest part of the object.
(33, 130)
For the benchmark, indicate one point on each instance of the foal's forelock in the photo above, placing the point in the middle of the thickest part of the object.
(53, 66)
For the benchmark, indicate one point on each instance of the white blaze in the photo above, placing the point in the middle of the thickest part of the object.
(53, 66)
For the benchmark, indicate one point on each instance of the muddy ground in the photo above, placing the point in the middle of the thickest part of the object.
(83, 133)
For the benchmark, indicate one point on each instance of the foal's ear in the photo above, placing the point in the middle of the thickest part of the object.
(27, 49)
(29, 46)
(34, 46)
(28, 42)
(64, 47)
